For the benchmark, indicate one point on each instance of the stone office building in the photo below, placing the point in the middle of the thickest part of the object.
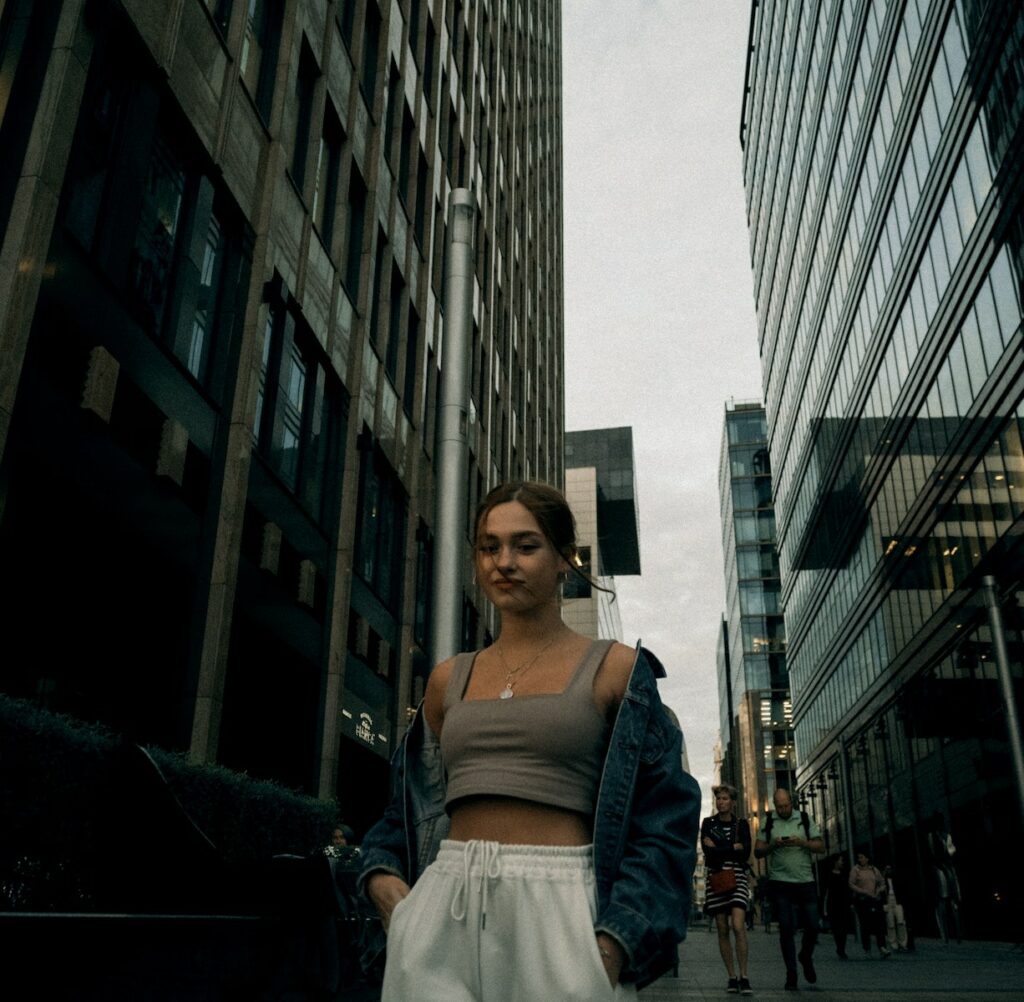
(221, 327)
(882, 157)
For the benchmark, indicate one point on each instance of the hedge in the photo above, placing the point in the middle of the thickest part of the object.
(74, 796)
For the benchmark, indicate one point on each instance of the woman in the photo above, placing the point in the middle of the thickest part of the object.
(553, 769)
(868, 886)
(895, 921)
(837, 901)
(726, 841)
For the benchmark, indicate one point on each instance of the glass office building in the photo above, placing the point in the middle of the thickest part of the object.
(882, 152)
(756, 724)
(221, 323)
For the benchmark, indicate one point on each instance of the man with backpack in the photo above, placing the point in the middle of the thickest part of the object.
(789, 842)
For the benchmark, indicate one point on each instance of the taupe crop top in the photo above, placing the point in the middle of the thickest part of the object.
(547, 748)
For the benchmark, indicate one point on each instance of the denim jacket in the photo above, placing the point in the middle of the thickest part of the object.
(645, 825)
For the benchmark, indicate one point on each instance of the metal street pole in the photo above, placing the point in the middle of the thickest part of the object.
(452, 468)
(844, 759)
(995, 619)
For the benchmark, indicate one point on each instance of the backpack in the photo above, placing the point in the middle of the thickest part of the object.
(804, 820)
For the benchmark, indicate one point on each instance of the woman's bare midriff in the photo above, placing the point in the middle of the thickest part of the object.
(518, 822)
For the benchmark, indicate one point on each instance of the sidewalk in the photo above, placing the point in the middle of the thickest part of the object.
(970, 970)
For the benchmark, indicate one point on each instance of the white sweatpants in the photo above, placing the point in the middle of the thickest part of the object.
(499, 923)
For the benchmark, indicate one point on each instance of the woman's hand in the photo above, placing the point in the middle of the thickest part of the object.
(738, 846)
(709, 843)
(612, 956)
(386, 890)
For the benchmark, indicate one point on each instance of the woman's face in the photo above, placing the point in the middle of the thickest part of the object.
(862, 859)
(723, 801)
(516, 565)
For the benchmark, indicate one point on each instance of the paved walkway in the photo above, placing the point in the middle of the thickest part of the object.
(970, 970)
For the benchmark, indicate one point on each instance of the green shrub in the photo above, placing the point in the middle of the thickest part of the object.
(73, 794)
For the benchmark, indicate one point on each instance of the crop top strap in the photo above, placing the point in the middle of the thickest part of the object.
(588, 667)
(459, 678)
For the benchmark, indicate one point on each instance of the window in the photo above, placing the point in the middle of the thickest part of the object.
(325, 193)
(258, 63)
(422, 209)
(380, 537)
(152, 256)
(305, 85)
(346, 21)
(140, 198)
(424, 578)
(406, 175)
(411, 346)
(220, 11)
(394, 99)
(196, 353)
(354, 223)
(377, 335)
(371, 45)
(394, 325)
(299, 413)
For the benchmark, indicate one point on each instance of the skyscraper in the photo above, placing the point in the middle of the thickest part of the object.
(221, 327)
(882, 152)
(756, 724)
(600, 485)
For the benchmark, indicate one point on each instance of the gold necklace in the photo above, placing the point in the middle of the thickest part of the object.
(511, 673)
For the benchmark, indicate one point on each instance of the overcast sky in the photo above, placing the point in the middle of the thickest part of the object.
(659, 315)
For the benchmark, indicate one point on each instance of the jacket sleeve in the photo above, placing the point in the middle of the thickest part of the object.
(716, 855)
(649, 903)
(386, 846)
(744, 833)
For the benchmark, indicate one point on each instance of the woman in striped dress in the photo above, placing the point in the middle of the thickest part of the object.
(726, 841)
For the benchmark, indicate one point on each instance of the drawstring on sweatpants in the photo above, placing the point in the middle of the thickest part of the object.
(489, 855)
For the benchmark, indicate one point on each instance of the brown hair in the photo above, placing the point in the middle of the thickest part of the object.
(734, 794)
(552, 512)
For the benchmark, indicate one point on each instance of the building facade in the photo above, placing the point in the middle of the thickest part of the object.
(882, 153)
(756, 724)
(221, 327)
(600, 485)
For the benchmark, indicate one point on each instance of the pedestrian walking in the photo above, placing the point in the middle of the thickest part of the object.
(725, 838)
(838, 901)
(550, 764)
(868, 886)
(895, 922)
(789, 841)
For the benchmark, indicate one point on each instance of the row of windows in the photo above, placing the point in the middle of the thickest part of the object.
(142, 202)
(768, 181)
(886, 256)
(818, 98)
(971, 185)
(816, 326)
(805, 190)
(747, 427)
(976, 352)
(406, 159)
(924, 572)
(903, 614)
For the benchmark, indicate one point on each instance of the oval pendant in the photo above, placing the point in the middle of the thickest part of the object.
(506, 693)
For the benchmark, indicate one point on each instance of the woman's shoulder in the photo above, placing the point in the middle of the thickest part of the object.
(620, 658)
(441, 675)
(613, 676)
(433, 698)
